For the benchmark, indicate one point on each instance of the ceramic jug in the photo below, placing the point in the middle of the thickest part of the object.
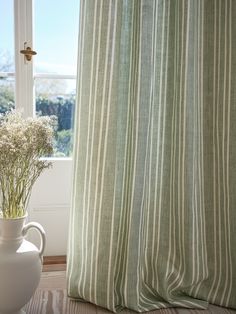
(20, 264)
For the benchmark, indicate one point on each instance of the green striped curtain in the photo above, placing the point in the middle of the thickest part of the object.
(153, 219)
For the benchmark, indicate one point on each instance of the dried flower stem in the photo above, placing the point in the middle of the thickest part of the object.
(22, 143)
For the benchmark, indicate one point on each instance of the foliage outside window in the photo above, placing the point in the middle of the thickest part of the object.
(60, 106)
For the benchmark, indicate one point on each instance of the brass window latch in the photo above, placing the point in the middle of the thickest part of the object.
(28, 53)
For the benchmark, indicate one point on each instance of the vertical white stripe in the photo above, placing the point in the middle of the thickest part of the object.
(197, 184)
(218, 273)
(135, 149)
(148, 266)
(230, 279)
(195, 239)
(110, 302)
(94, 134)
(100, 148)
(181, 143)
(151, 161)
(86, 209)
(198, 177)
(76, 149)
(173, 160)
(119, 261)
(164, 78)
(110, 279)
(145, 222)
(200, 157)
(156, 225)
(88, 161)
(203, 231)
(224, 108)
(182, 226)
(214, 150)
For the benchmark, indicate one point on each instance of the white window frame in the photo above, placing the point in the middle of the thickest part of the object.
(49, 209)
(24, 70)
(23, 18)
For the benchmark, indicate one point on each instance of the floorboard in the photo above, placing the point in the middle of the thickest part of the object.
(53, 280)
(51, 298)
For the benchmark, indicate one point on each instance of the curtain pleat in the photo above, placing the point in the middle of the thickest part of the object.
(153, 216)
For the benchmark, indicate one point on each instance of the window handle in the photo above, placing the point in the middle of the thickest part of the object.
(28, 53)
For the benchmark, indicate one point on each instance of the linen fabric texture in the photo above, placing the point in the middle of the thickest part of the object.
(153, 215)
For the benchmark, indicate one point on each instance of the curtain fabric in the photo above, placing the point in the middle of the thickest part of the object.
(153, 214)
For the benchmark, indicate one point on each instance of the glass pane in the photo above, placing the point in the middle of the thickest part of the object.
(56, 32)
(6, 36)
(7, 101)
(56, 97)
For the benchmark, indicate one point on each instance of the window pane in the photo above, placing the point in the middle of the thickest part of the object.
(7, 86)
(6, 36)
(56, 97)
(56, 32)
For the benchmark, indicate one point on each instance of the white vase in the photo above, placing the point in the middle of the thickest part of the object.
(20, 264)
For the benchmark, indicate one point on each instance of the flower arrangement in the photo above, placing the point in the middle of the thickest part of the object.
(22, 142)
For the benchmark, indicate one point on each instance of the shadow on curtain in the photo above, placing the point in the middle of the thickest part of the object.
(153, 212)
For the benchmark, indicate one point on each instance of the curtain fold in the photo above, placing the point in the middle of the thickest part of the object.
(153, 216)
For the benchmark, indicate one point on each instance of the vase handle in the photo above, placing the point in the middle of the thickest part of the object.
(41, 231)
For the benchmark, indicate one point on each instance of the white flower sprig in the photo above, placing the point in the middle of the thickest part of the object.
(22, 142)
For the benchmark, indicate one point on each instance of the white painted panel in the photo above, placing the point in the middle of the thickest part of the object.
(24, 69)
(50, 204)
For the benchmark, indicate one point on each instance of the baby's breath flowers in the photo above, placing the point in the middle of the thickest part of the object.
(22, 142)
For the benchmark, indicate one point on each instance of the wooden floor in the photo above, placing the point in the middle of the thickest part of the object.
(54, 273)
(52, 294)
(54, 263)
(53, 280)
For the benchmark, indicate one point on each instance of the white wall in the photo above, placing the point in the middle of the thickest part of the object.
(50, 204)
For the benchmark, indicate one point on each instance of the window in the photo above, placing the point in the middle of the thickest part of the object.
(7, 68)
(46, 85)
(56, 28)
